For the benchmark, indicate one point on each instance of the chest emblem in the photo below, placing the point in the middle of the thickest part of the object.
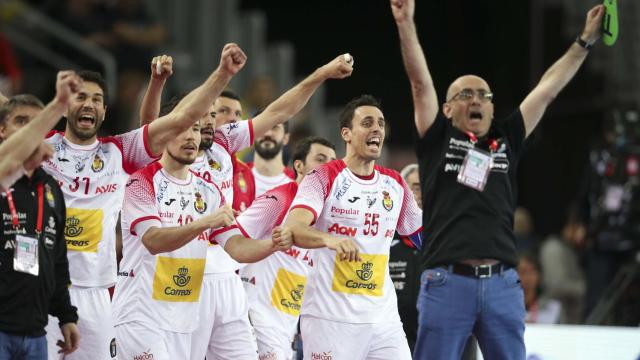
(200, 205)
(387, 202)
(98, 164)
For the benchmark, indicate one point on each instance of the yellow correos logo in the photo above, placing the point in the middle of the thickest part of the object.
(288, 291)
(361, 278)
(178, 279)
(83, 229)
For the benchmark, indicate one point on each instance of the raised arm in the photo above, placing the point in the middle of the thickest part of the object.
(198, 101)
(158, 239)
(161, 70)
(298, 223)
(425, 99)
(561, 72)
(25, 146)
(292, 101)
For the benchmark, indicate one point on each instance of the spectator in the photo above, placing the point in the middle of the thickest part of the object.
(540, 308)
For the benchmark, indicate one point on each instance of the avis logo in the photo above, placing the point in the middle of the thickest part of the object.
(73, 228)
(146, 355)
(342, 230)
(322, 356)
(366, 272)
(182, 278)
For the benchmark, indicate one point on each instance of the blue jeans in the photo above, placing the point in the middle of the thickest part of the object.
(18, 347)
(451, 307)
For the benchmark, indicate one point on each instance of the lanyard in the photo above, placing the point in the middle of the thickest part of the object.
(493, 143)
(14, 214)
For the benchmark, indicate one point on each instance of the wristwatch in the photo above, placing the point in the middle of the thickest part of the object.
(583, 43)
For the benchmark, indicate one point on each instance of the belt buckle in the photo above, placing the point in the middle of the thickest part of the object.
(482, 271)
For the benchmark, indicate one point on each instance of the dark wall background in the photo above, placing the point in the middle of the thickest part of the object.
(490, 38)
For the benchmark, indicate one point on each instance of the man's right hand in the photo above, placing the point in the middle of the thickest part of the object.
(339, 68)
(346, 248)
(403, 10)
(161, 67)
(222, 217)
(68, 83)
(232, 59)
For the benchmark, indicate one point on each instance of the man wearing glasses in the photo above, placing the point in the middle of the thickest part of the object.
(468, 168)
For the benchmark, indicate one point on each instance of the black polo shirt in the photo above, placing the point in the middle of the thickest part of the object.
(460, 222)
(25, 299)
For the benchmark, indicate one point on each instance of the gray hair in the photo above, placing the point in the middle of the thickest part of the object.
(408, 170)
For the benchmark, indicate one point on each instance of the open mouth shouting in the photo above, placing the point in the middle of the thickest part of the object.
(87, 120)
(373, 143)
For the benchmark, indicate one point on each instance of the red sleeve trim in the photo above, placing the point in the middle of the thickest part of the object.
(391, 173)
(220, 231)
(242, 230)
(139, 220)
(250, 132)
(145, 140)
(413, 233)
(52, 133)
(315, 215)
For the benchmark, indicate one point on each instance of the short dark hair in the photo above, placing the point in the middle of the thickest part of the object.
(95, 77)
(17, 101)
(230, 94)
(346, 116)
(304, 146)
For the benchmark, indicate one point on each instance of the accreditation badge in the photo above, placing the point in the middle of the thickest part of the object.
(25, 257)
(475, 169)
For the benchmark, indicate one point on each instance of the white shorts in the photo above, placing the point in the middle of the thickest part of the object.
(274, 343)
(223, 331)
(326, 339)
(97, 337)
(140, 341)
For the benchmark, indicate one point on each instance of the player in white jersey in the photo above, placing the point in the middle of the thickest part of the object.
(275, 285)
(92, 173)
(348, 210)
(169, 216)
(222, 334)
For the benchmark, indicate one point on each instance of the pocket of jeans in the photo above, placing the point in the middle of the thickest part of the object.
(434, 278)
(511, 278)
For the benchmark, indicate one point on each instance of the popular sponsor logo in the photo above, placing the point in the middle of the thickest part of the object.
(340, 211)
(97, 165)
(199, 204)
(325, 355)
(166, 214)
(387, 202)
(342, 230)
(343, 188)
(146, 355)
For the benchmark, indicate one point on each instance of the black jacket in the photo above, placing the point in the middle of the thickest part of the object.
(25, 300)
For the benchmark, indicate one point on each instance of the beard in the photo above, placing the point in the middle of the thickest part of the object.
(184, 160)
(268, 153)
(205, 144)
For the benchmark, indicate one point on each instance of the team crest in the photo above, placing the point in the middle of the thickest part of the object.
(242, 183)
(97, 165)
(48, 194)
(199, 204)
(214, 165)
(387, 202)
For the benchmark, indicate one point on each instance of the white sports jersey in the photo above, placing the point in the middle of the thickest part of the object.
(274, 285)
(92, 178)
(216, 166)
(266, 183)
(368, 211)
(163, 290)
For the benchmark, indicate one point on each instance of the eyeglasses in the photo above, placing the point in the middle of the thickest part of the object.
(468, 94)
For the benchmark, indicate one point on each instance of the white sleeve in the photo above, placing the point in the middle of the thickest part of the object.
(410, 220)
(221, 236)
(266, 212)
(135, 149)
(139, 204)
(312, 192)
(235, 136)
